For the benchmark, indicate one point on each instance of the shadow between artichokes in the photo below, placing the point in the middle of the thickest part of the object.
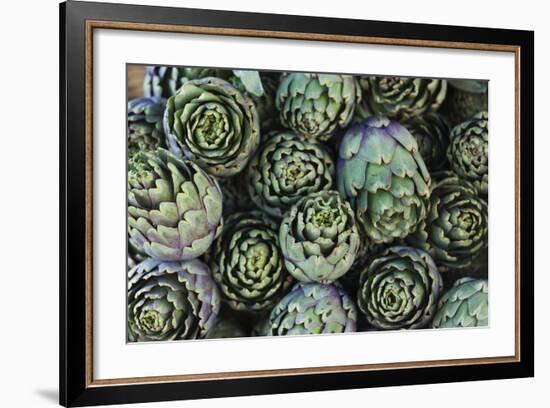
(174, 207)
(399, 289)
(319, 238)
(171, 301)
(212, 123)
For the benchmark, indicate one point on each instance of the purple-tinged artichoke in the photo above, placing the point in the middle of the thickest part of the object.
(174, 207)
(171, 301)
(313, 308)
(384, 178)
(319, 238)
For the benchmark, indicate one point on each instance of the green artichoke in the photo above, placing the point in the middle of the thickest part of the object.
(247, 263)
(316, 105)
(171, 301)
(163, 81)
(381, 173)
(313, 308)
(402, 98)
(468, 152)
(466, 304)
(145, 131)
(285, 169)
(455, 231)
(319, 238)
(431, 132)
(465, 98)
(399, 289)
(210, 122)
(174, 207)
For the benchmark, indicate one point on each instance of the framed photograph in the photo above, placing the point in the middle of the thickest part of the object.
(256, 204)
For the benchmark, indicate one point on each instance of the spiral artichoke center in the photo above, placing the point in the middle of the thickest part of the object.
(324, 218)
(152, 320)
(210, 126)
(293, 172)
(258, 256)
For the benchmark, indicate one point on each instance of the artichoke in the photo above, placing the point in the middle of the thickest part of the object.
(465, 98)
(381, 173)
(468, 152)
(316, 105)
(431, 132)
(285, 169)
(399, 289)
(214, 124)
(402, 98)
(455, 231)
(174, 207)
(319, 238)
(313, 308)
(466, 304)
(171, 301)
(163, 81)
(134, 255)
(145, 132)
(247, 263)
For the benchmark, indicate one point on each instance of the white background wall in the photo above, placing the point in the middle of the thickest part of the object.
(29, 202)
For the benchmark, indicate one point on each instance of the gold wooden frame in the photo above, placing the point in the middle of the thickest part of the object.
(98, 24)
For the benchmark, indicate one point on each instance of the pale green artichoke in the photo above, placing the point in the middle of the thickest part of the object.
(319, 238)
(466, 304)
(174, 207)
(402, 98)
(145, 132)
(399, 289)
(316, 105)
(247, 264)
(285, 169)
(212, 123)
(381, 173)
(313, 308)
(455, 231)
(468, 152)
(171, 301)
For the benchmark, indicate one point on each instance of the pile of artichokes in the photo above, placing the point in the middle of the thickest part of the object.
(275, 204)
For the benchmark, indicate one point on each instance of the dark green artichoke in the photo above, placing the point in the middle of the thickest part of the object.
(399, 289)
(455, 231)
(313, 308)
(319, 238)
(161, 81)
(465, 98)
(316, 105)
(247, 263)
(431, 132)
(212, 123)
(145, 131)
(171, 301)
(402, 98)
(466, 304)
(468, 152)
(174, 207)
(285, 169)
(381, 173)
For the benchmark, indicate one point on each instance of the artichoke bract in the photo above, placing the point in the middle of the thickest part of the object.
(171, 301)
(466, 304)
(316, 105)
(402, 98)
(145, 129)
(285, 169)
(247, 263)
(468, 152)
(174, 207)
(381, 173)
(161, 81)
(399, 289)
(313, 308)
(431, 132)
(455, 230)
(212, 123)
(319, 238)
